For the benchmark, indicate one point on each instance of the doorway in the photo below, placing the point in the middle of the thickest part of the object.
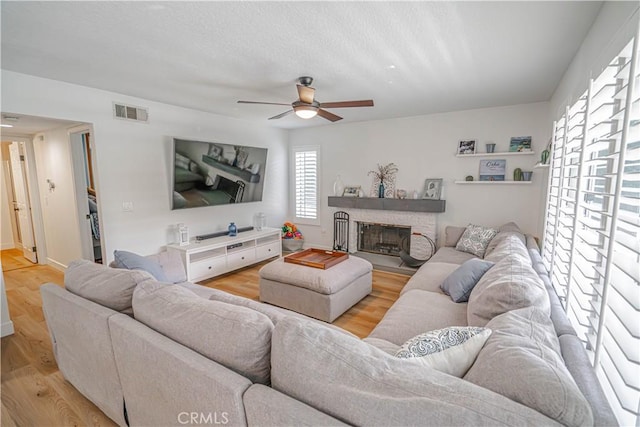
(81, 141)
(61, 172)
(18, 199)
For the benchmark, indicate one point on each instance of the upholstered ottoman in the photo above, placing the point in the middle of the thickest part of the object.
(323, 294)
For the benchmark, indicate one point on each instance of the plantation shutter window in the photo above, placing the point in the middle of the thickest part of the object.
(592, 226)
(306, 164)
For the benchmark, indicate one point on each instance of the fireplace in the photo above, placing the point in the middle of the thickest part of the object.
(382, 239)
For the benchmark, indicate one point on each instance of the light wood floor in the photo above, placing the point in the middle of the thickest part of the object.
(34, 392)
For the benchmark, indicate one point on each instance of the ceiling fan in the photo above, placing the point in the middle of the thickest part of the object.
(307, 107)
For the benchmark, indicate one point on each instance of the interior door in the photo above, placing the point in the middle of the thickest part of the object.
(22, 206)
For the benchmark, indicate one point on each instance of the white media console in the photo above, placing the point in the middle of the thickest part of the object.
(212, 257)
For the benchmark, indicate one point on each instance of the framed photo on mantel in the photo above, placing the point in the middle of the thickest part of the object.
(432, 189)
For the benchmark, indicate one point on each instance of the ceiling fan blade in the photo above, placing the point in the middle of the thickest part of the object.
(327, 115)
(281, 115)
(259, 102)
(342, 104)
(306, 94)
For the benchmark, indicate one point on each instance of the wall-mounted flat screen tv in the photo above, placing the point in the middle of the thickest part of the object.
(210, 174)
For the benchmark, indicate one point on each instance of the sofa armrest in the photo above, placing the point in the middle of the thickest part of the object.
(268, 407)
(577, 362)
(82, 347)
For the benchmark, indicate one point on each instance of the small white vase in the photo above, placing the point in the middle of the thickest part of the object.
(338, 187)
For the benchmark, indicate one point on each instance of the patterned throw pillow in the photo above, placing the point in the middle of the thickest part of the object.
(475, 239)
(450, 350)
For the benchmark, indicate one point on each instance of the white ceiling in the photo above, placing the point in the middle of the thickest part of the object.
(29, 125)
(411, 58)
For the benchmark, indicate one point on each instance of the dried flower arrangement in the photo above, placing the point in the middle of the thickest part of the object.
(385, 175)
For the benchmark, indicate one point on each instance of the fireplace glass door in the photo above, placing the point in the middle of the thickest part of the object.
(382, 239)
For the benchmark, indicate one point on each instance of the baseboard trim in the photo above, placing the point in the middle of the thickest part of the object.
(6, 246)
(57, 265)
(6, 329)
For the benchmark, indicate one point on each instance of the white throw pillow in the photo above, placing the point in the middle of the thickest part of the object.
(475, 239)
(450, 350)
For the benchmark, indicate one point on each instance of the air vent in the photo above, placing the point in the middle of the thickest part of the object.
(128, 112)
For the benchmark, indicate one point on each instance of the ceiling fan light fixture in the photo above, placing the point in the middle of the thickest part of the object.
(305, 111)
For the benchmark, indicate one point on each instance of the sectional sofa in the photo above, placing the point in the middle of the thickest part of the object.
(174, 353)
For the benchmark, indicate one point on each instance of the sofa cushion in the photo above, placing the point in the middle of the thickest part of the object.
(451, 256)
(452, 234)
(362, 385)
(507, 243)
(131, 261)
(384, 345)
(524, 346)
(510, 228)
(430, 276)
(450, 350)
(475, 239)
(110, 287)
(510, 284)
(458, 285)
(419, 311)
(236, 337)
(172, 265)
(274, 313)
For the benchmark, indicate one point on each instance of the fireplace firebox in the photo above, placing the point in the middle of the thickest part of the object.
(382, 238)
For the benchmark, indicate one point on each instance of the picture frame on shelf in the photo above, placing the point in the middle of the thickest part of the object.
(520, 144)
(352, 191)
(432, 189)
(493, 170)
(241, 158)
(215, 151)
(467, 147)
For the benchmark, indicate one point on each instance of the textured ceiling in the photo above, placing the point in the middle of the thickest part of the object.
(411, 58)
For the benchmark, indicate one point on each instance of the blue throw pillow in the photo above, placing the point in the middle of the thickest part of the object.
(131, 261)
(459, 284)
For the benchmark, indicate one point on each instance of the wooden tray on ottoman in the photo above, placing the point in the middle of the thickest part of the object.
(317, 258)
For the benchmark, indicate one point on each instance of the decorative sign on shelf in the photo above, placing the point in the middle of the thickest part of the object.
(493, 170)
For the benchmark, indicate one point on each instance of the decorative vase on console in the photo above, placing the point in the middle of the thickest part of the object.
(381, 191)
(233, 230)
(338, 187)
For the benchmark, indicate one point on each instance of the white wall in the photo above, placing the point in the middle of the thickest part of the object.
(616, 23)
(6, 327)
(58, 206)
(424, 147)
(6, 209)
(134, 160)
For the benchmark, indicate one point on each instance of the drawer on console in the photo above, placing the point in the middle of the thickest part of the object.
(241, 258)
(268, 251)
(206, 268)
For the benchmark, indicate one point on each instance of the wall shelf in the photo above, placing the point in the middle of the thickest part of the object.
(407, 205)
(541, 166)
(493, 182)
(498, 154)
